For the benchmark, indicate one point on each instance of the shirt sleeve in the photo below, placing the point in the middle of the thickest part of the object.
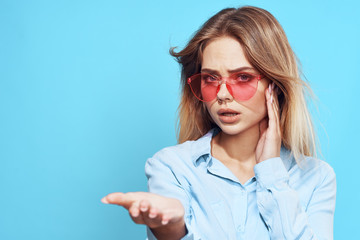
(280, 207)
(163, 181)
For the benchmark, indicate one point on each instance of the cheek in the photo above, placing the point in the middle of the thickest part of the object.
(257, 105)
(262, 108)
(211, 108)
(260, 99)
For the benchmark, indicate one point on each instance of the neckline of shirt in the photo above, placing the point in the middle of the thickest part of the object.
(202, 150)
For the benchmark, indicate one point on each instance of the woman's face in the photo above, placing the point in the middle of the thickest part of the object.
(220, 57)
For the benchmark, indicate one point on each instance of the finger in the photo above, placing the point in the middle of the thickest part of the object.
(153, 212)
(134, 210)
(275, 103)
(144, 205)
(147, 210)
(119, 198)
(112, 198)
(277, 116)
(271, 112)
(165, 219)
(276, 109)
(276, 106)
(275, 97)
(136, 215)
(172, 214)
(150, 215)
(273, 131)
(152, 218)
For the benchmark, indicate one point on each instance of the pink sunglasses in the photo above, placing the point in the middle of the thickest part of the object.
(241, 85)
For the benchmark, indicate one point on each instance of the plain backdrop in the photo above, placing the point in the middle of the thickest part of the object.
(88, 91)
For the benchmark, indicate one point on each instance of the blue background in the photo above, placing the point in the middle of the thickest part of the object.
(88, 92)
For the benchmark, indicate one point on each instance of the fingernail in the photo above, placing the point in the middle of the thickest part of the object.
(271, 99)
(135, 214)
(143, 209)
(164, 222)
(104, 200)
(270, 88)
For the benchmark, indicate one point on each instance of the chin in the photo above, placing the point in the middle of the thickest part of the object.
(231, 129)
(239, 128)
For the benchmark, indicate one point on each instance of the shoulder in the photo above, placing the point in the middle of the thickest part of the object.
(180, 154)
(312, 164)
(311, 177)
(316, 182)
(305, 165)
(175, 163)
(318, 167)
(308, 169)
(179, 151)
(184, 153)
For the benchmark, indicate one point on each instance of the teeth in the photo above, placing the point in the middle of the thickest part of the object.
(229, 114)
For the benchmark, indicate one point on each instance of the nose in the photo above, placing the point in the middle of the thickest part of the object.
(224, 94)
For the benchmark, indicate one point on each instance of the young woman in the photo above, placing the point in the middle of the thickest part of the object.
(245, 166)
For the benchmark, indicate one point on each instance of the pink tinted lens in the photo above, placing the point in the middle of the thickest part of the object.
(244, 91)
(204, 87)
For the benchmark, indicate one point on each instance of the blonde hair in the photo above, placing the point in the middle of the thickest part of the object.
(267, 49)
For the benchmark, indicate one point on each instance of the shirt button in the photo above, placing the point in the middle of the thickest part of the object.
(240, 228)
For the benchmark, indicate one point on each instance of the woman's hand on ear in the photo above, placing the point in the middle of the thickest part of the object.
(270, 134)
(165, 216)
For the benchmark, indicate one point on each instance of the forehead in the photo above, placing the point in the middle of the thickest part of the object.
(224, 53)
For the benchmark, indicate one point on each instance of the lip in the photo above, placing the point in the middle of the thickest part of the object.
(226, 110)
(228, 119)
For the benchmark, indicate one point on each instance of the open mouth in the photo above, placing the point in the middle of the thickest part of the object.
(228, 114)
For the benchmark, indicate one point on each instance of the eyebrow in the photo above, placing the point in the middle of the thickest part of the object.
(215, 72)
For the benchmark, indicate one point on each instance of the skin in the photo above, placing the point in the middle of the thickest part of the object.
(254, 138)
(246, 142)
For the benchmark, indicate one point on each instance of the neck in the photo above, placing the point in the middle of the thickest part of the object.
(240, 147)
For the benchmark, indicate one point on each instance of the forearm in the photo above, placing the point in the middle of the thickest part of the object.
(282, 211)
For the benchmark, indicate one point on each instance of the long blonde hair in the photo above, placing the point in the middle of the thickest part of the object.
(267, 49)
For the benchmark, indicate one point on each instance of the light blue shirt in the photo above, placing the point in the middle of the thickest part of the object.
(282, 201)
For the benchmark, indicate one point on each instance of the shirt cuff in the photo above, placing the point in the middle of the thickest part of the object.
(271, 171)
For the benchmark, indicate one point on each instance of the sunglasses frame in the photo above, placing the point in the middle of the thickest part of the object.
(222, 80)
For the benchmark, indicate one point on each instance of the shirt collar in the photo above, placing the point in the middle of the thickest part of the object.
(202, 147)
(287, 158)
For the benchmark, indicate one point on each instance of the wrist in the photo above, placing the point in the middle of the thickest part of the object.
(170, 231)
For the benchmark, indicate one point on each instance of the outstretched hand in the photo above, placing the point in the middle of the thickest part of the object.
(163, 215)
(270, 134)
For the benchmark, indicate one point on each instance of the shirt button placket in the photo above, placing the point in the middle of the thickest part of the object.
(240, 228)
(243, 210)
